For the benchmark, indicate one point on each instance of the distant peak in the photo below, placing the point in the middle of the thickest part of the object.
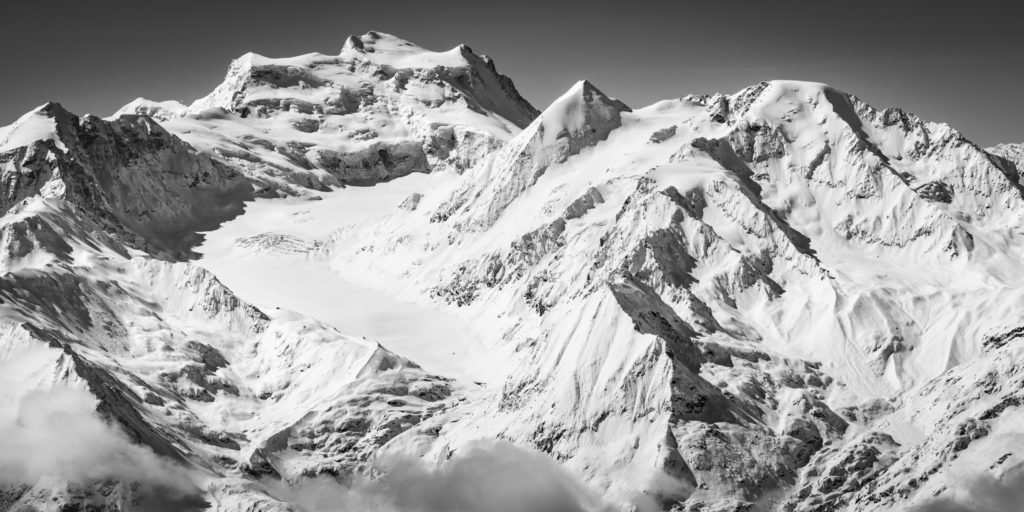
(589, 94)
(377, 42)
(373, 39)
(353, 43)
(587, 88)
(581, 86)
(40, 123)
(584, 113)
(774, 89)
(160, 110)
(381, 48)
(52, 109)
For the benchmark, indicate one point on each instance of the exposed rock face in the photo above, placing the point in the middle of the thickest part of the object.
(1010, 157)
(129, 175)
(780, 299)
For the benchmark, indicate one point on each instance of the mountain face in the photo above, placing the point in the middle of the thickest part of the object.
(383, 281)
(1014, 153)
(381, 109)
(130, 175)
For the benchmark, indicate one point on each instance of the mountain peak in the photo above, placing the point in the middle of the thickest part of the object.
(159, 110)
(52, 109)
(40, 123)
(390, 50)
(581, 86)
(582, 107)
(588, 93)
(352, 43)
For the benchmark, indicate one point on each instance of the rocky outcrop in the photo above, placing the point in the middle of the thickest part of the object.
(130, 175)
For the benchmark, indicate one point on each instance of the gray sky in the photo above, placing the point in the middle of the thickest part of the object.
(958, 62)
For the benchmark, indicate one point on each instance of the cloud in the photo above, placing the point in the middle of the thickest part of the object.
(485, 476)
(982, 493)
(58, 434)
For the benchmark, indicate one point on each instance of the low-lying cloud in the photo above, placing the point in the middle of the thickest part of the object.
(485, 476)
(58, 434)
(982, 493)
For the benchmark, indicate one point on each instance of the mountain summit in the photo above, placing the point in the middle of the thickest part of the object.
(383, 280)
(381, 109)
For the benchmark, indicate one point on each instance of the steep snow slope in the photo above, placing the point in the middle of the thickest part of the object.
(31, 127)
(186, 368)
(161, 349)
(757, 269)
(779, 299)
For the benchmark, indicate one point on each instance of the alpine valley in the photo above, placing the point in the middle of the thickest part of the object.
(382, 280)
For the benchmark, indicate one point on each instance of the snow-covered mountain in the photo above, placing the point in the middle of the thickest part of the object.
(382, 280)
(381, 109)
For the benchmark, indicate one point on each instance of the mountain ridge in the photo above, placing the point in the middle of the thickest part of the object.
(765, 300)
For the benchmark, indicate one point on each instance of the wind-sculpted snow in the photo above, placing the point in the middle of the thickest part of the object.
(780, 299)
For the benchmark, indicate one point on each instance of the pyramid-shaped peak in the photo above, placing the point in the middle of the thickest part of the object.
(582, 116)
(52, 109)
(583, 86)
(585, 95)
(40, 123)
(353, 43)
(582, 108)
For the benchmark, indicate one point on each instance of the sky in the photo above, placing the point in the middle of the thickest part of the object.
(956, 62)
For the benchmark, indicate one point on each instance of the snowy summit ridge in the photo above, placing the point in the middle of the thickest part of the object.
(349, 276)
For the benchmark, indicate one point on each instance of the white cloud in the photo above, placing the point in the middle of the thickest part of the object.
(982, 493)
(58, 434)
(485, 476)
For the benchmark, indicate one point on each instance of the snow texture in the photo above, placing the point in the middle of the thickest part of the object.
(337, 281)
